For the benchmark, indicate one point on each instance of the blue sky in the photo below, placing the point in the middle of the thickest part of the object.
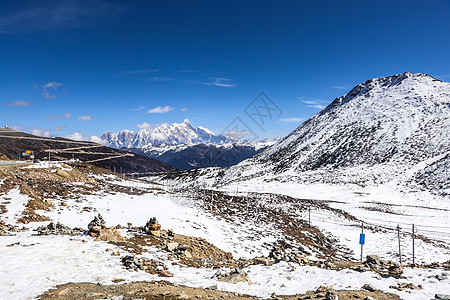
(90, 66)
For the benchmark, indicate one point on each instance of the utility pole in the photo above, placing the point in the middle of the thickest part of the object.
(399, 248)
(413, 253)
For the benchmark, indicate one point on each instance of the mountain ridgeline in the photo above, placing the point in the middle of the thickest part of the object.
(387, 129)
(184, 146)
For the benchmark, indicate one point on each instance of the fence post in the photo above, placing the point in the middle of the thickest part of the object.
(399, 248)
(362, 239)
(212, 199)
(309, 216)
(413, 249)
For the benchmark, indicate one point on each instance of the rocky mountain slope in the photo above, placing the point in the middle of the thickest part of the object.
(387, 129)
(13, 142)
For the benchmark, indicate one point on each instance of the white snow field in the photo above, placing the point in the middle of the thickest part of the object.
(33, 264)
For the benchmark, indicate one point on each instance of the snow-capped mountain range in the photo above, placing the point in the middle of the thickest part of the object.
(393, 129)
(185, 146)
(169, 135)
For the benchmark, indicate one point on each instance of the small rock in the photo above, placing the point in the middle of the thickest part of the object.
(183, 247)
(116, 253)
(171, 246)
(155, 233)
(442, 297)
(369, 287)
(187, 254)
(165, 273)
(331, 296)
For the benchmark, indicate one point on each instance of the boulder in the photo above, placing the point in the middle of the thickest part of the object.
(110, 234)
(369, 287)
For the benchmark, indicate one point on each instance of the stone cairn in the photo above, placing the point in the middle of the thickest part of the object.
(152, 227)
(58, 229)
(96, 225)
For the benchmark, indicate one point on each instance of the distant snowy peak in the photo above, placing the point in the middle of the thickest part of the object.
(165, 134)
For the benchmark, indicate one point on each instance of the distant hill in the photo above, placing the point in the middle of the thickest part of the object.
(13, 142)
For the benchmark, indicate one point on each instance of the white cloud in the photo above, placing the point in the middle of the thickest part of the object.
(20, 103)
(292, 120)
(183, 109)
(44, 132)
(341, 87)
(144, 125)
(85, 118)
(238, 133)
(160, 79)
(160, 110)
(139, 108)
(59, 117)
(18, 128)
(47, 15)
(139, 71)
(76, 136)
(40, 132)
(46, 89)
(222, 82)
(317, 104)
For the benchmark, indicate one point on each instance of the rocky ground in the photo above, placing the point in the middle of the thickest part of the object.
(49, 189)
(165, 290)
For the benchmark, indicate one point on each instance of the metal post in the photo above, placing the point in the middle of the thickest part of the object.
(362, 245)
(49, 156)
(413, 253)
(212, 199)
(309, 216)
(399, 248)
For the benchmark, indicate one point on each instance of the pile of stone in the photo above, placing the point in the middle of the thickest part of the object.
(401, 286)
(59, 229)
(150, 266)
(96, 225)
(277, 254)
(438, 265)
(386, 268)
(152, 227)
(97, 228)
(235, 276)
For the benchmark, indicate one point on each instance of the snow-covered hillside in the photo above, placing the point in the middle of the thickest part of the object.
(387, 129)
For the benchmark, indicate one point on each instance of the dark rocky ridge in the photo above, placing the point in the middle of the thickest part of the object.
(13, 142)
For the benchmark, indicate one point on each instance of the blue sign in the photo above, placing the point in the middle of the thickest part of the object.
(362, 238)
